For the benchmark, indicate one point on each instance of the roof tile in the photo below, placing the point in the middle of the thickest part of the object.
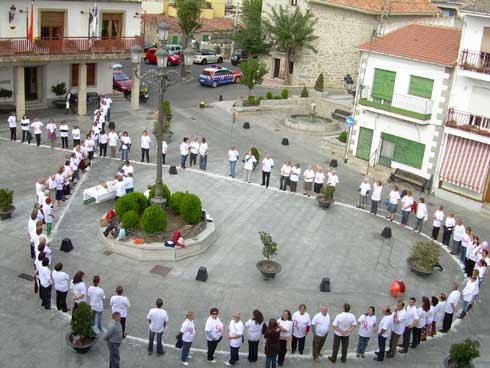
(397, 7)
(207, 25)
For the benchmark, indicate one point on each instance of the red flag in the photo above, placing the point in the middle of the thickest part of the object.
(30, 32)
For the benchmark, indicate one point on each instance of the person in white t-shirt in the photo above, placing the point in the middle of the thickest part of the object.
(451, 308)
(113, 138)
(37, 127)
(184, 152)
(64, 134)
(45, 284)
(422, 215)
(286, 325)
(164, 151)
(319, 180)
(255, 327)
(399, 321)
(236, 330)
(214, 333)
(469, 293)
(376, 196)
(267, 165)
(203, 154)
(51, 128)
(285, 174)
(61, 282)
(103, 141)
(466, 241)
(96, 298)
(120, 303)
(406, 204)
(75, 135)
(157, 320)
(294, 177)
(364, 190)
(125, 146)
(394, 197)
(367, 325)
(384, 332)
(25, 124)
(332, 178)
(145, 146)
(12, 121)
(78, 289)
(459, 231)
(194, 151)
(437, 219)
(249, 162)
(233, 156)
(127, 168)
(344, 323)
(120, 187)
(188, 333)
(320, 325)
(439, 309)
(308, 177)
(420, 321)
(447, 230)
(301, 328)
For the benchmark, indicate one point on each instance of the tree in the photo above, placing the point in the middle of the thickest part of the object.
(290, 30)
(251, 34)
(188, 15)
(253, 73)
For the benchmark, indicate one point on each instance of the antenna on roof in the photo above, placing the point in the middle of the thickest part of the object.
(385, 13)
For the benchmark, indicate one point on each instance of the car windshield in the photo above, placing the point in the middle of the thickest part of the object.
(206, 73)
(120, 77)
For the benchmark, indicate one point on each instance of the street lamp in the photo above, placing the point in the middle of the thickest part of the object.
(136, 51)
(348, 83)
(188, 56)
(163, 30)
(162, 58)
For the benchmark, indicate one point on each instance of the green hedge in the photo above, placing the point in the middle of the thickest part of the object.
(166, 191)
(130, 220)
(191, 209)
(304, 92)
(269, 95)
(175, 201)
(131, 202)
(285, 93)
(154, 220)
(256, 153)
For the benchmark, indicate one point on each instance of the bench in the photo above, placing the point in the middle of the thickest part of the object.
(340, 115)
(417, 181)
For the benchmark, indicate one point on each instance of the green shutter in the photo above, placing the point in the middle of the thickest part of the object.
(407, 152)
(384, 84)
(364, 143)
(421, 87)
(205, 38)
(175, 40)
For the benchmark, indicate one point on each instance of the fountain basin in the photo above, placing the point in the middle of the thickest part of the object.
(317, 125)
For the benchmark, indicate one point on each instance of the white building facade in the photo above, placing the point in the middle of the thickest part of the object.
(45, 43)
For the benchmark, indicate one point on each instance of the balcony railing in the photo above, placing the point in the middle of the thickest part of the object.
(468, 122)
(410, 106)
(475, 61)
(67, 45)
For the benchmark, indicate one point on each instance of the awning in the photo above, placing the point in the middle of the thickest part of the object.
(465, 163)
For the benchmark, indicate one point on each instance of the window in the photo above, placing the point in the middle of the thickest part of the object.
(175, 40)
(291, 67)
(205, 38)
(52, 25)
(91, 74)
(293, 2)
(383, 84)
(112, 25)
(448, 12)
(421, 87)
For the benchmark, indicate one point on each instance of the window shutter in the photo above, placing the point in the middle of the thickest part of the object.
(421, 87)
(384, 84)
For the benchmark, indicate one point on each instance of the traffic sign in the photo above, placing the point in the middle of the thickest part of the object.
(349, 120)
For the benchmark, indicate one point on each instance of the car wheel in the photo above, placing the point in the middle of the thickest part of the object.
(238, 80)
(204, 61)
(169, 63)
(214, 84)
(220, 60)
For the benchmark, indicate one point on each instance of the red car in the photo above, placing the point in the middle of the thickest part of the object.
(121, 82)
(150, 57)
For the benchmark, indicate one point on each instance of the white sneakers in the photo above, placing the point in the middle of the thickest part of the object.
(185, 363)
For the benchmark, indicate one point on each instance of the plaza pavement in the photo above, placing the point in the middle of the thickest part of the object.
(234, 284)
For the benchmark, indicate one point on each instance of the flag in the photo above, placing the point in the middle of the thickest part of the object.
(94, 19)
(30, 32)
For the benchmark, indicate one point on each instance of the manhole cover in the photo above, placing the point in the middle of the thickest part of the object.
(160, 270)
(27, 277)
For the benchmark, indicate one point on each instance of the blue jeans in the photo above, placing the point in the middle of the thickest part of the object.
(159, 342)
(465, 306)
(98, 320)
(381, 347)
(362, 344)
(203, 162)
(124, 154)
(232, 169)
(419, 224)
(186, 347)
(270, 361)
(462, 256)
(456, 247)
(183, 160)
(405, 215)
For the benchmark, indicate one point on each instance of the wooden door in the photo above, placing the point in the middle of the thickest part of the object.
(112, 25)
(277, 67)
(364, 143)
(31, 83)
(52, 25)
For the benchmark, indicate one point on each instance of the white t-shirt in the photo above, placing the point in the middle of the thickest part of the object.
(37, 125)
(51, 127)
(25, 123)
(421, 318)
(120, 188)
(367, 325)
(125, 142)
(127, 169)
(113, 138)
(453, 298)
(450, 221)
(184, 149)
(295, 173)
(164, 147)
(189, 331)
(287, 325)
(470, 290)
(233, 155)
(61, 280)
(103, 138)
(158, 318)
(12, 120)
(365, 187)
(249, 162)
(332, 180)
(376, 195)
(394, 197)
(79, 290)
(214, 327)
(407, 202)
(437, 218)
(286, 170)
(64, 130)
(411, 315)
(203, 149)
(145, 141)
(254, 330)
(236, 329)
(194, 147)
(308, 176)
(96, 297)
(319, 177)
(422, 211)
(267, 164)
(45, 276)
(399, 322)
(466, 240)
(344, 321)
(386, 324)
(75, 133)
(321, 323)
(439, 310)
(458, 232)
(120, 303)
(300, 324)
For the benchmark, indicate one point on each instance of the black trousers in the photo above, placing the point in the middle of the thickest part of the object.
(381, 347)
(416, 334)
(336, 344)
(163, 158)
(293, 185)
(253, 351)
(24, 135)
(103, 149)
(266, 176)
(76, 142)
(64, 142)
(446, 235)
(298, 342)
(38, 139)
(406, 338)
(33, 252)
(282, 352)
(435, 232)
(13, 134)
(61, 300)
(469, 267)
(45, 293)
(234, 357)
(447, 321)
(211, 349)
(123, 326)
(317, 187)
(193, 159)
(145, 152)
(284, 182)
(374, 207)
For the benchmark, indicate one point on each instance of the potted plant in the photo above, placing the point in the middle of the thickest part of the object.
(5, 93)
(267, 267)
(325, 198)
(81, 337)
(6, 206)
(59, 90)
(424, 255)
(461, 355)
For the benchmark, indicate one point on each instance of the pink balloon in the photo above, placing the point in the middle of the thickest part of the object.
(484, 245)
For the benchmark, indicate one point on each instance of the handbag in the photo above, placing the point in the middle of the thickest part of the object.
(179, 343)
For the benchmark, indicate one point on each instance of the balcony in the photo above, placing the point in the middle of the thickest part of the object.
(475, 61)
(68, 45)
(468, 122)
(409, 106)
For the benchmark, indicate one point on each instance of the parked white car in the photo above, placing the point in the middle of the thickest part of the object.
(207, 56)
(173, 49)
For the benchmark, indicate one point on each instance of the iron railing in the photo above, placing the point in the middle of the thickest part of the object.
(468, 122)
(475, 61)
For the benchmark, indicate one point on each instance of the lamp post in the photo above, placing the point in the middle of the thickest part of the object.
(188, 58)
(136, 51)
